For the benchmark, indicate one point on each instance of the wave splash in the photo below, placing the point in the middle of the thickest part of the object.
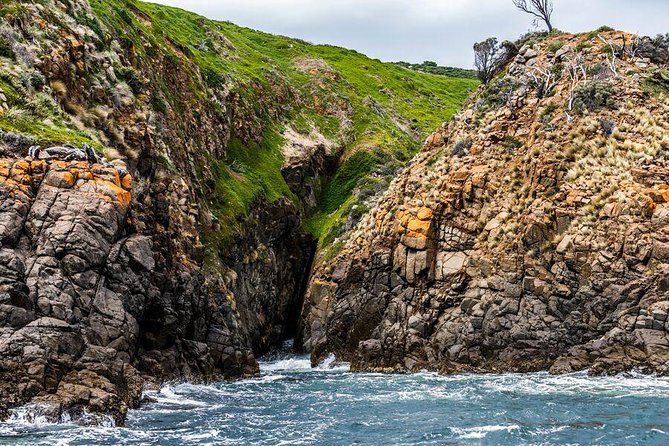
(293, 403)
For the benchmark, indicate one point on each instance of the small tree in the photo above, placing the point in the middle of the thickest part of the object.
(490, 57)
(541, 10)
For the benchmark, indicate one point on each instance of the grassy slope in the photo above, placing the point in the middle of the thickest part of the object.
(377, 96)
(247, 55)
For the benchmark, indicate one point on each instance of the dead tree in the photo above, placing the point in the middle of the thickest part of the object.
(541, 10)
(614, 52)
(544, 80)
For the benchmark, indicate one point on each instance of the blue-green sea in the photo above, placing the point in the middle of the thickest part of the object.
(293, 404)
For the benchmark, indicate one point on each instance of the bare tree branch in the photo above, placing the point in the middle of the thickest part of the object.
(612, 61)
(578, 74)
(541, 10)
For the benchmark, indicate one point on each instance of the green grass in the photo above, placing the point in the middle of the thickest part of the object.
(339, 188)
(29, 115)
(420, 102)
(376, 114)
(250, 171)
(47, 134)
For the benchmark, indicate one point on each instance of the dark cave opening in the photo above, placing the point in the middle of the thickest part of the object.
(292, 328)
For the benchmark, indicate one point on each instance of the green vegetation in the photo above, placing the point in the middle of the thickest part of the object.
(431, 67)
(511, 144)
(337, 191)
(547, 112)
(600, 30)
(497, 94)
(6, 49)
(547, 116)
(555, 46)
(249, 172)
(391, 109)
(593, 96)
(658, 84)
(375, 115)
(37, 114)
(461, 147)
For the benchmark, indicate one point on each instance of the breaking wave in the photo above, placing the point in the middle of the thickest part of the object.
(291, 403)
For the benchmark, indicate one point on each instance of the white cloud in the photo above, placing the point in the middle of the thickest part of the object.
(417, 30)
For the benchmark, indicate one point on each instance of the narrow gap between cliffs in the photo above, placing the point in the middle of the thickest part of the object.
(292, 328)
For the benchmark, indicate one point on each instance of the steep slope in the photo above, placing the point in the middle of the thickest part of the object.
(194, 262)
(530, 233)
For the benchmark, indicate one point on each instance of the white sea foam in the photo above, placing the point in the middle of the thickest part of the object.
(330, 363)
(292, 403)
(41, 415)
(303, 363)
(288, 364)
(575, 384)
(202, 436)
(31, 414)
(479, 432)
(175, 395)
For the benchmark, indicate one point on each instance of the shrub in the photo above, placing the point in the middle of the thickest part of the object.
(159, 104)
(512, 144)
(656, 49)
(125, 16)
(36, 80)
(555, 46)
(607, 127)
(461, 147)
(601, 29)
(531, 38)
(498, 94)
(213, 78)
(593, 96)
(658, 84)
(6, 49)
(132, 78)
(547, 113)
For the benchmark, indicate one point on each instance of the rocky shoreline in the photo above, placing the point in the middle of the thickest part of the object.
(530, 233)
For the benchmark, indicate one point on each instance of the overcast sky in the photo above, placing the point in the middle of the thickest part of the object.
(418, 30)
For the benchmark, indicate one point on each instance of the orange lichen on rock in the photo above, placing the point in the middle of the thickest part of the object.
(22, 175)
(126, 182)
(414, 227)
(61, 179)
(659, 195)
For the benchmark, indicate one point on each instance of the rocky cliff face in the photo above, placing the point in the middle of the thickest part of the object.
(105, 285)
(531, 232)
(87, 310)
(200, 263)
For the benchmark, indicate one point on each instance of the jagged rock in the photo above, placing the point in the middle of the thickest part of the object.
(512, 260)
(78, 296)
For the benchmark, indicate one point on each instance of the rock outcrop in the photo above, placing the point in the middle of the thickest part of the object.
(531, 232)
(86, 310)
(108, 286)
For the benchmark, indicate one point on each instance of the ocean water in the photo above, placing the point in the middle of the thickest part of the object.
(293, 404)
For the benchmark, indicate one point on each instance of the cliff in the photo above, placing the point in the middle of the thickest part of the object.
(530, 233)
(186, 253)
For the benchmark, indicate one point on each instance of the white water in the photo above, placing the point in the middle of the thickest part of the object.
(292, 403)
